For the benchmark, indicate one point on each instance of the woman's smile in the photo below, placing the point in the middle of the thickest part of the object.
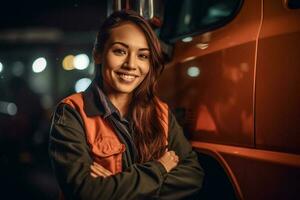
(126, 77)
(125, 60)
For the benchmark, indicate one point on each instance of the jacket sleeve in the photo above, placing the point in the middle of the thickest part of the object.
(185, 180)
(71, 160)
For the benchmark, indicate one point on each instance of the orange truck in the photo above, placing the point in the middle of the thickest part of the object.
(233, 81)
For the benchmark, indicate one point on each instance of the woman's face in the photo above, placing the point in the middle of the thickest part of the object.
(125, 59)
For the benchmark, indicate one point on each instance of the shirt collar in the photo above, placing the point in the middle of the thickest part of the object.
(97, 103)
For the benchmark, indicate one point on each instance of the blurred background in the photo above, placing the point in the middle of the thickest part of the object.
(45, 55)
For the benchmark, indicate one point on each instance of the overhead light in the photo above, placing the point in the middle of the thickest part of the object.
(39, 65)
(81, 61)
(193, 71)
(187, 39)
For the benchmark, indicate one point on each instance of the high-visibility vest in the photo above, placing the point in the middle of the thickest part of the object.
(105, 146)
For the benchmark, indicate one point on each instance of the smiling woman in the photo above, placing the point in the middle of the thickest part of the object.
(126, 59)
(117, 140)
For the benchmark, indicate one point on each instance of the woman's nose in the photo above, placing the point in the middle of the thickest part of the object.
(130, 62)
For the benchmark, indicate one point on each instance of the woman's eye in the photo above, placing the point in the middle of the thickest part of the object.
(119, 52)
(144, 56)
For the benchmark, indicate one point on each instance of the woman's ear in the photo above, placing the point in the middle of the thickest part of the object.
(97, 57)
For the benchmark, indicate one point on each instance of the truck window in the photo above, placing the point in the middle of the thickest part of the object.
(293, 4)
(191, 17)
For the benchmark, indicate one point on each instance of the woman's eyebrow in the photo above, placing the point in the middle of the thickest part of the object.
(127, 46)
(121, 43)
(144, 49)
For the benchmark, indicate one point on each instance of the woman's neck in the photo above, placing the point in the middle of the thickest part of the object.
(121, 101)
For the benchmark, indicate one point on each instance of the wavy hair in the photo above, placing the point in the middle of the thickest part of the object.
(149, 137)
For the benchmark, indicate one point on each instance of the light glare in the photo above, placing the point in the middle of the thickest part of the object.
(82, 84)
(193, 71)
(202, 46)
(81, 61)
(8, 108)
(187, 39)
(1, 67)
(39, 65)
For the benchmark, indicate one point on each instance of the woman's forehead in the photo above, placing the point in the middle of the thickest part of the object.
(130, 34)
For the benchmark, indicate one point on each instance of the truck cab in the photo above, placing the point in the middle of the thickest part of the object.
(232, 81)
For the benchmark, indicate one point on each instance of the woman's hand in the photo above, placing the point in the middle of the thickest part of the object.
(169, 160)
(97, 170)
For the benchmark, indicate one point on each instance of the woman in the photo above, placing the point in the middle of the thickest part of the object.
(117, 140)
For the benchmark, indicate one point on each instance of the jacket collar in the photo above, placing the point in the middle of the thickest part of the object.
(97, 103)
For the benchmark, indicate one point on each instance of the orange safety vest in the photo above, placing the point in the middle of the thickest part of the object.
(106, 148)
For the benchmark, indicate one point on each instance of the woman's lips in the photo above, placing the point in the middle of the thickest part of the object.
(126, 77)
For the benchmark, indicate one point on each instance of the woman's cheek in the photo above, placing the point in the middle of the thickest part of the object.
(145, 68)
(113, 62)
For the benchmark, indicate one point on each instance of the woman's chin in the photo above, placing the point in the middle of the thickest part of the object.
(124, 89)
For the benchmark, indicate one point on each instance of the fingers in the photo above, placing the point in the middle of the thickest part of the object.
(97, 170)
(169, 160)
(94, 175)
(174, 156)
(172, 153)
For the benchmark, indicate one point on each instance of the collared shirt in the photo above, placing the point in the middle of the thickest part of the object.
(122, 126)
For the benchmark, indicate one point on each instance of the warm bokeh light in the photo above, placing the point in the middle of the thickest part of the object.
(68, 62)
(81, 61)
(82, 84)
(39, 65)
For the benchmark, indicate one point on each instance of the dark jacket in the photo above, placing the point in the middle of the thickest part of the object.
(71, 157)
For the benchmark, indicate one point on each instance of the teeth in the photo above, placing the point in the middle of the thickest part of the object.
(127, 77)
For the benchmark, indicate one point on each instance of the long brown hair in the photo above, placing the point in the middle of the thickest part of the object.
(149, 135)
